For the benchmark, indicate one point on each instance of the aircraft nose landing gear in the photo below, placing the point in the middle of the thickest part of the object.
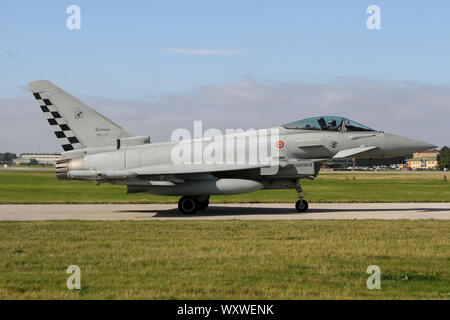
(301, 205)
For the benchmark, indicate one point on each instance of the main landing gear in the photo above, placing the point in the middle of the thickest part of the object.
(301, 205)
(190, 204)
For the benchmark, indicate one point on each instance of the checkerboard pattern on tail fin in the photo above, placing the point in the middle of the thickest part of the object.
(65, 136)
(76, 125)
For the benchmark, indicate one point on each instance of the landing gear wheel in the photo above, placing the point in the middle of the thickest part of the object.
(301, 205)
(188, 205)
(203, 205)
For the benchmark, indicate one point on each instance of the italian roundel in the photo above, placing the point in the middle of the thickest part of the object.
(280, 144)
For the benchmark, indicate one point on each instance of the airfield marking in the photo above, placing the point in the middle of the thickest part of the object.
(244, 211)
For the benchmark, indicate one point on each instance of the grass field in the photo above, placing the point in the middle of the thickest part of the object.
(43, 187)
(225, 259)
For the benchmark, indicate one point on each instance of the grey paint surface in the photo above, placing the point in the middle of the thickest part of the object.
(275, 158)
(283, 211)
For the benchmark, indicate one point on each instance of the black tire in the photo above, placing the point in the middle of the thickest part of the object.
(188, 205)
(203, 205)
(301, 205)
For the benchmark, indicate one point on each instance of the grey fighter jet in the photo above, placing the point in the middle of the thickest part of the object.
(97, 149)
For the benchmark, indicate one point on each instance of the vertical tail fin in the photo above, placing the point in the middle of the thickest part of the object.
(75, 124)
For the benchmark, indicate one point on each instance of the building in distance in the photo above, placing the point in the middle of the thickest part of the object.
(424, 160)
(40, 158)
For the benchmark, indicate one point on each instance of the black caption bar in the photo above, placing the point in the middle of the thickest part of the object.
(221, 309)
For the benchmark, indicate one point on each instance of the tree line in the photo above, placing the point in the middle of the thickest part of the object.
(7, 157)
(444, 158)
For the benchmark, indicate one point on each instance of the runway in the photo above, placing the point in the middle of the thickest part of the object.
(246, 211)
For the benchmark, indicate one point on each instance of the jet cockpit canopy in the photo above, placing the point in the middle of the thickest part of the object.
(327, 123)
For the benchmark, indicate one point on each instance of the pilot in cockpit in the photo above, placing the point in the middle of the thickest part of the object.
(332, 125)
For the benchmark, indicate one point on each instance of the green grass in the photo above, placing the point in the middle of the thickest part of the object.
(225, 259)
(43, 187)
(35, 166)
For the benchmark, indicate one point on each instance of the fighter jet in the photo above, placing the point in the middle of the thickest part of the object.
(97, 149)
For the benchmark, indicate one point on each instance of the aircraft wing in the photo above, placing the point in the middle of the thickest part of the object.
(192, 168)
(351, 152)
(157, 170)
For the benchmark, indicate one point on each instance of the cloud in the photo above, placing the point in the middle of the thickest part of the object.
(11, 54)
(203, 52)
(414, 110)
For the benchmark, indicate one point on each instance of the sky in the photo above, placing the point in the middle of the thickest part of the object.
(154, 66)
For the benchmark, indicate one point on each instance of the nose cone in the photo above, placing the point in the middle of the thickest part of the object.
(400, 146)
